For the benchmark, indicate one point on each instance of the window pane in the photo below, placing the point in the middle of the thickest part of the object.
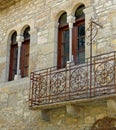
(65, 47)
(81, 57)
(63, 19)
(26, 33)
(81, 37)
(15, 60)
(81, 30)
(81, 43)
(13, 38)
(65, 42)
(79, 12)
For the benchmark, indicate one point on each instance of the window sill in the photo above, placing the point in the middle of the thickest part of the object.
(14, 82)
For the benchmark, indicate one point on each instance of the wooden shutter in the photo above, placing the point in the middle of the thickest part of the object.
(24, 61)
(13, 61)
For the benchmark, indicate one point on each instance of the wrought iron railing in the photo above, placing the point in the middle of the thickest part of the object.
(73, 82)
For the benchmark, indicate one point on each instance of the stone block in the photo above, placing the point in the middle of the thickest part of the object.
(89, 120)
(111, 103)
(12, 100)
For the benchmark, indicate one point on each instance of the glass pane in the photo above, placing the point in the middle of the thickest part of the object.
(65, 46)
(81, 44)
(81, 37)
(79, 12)
(15, 53)
(65, 42)
(81, 30)
(15, 60)
(81, 57)
(26, 33)
(63, 19)
(13, 38)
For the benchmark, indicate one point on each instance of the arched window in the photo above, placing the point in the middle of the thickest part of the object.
(13, 56)
(24, 60)
(63, 41)
(79, 36)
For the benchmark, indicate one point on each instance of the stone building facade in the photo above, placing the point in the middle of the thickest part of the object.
(41, 19)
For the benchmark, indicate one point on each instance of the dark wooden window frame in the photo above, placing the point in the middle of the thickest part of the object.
(24, 58)
(13, 59)
(78, 22)
(61, 29)
(74, 42)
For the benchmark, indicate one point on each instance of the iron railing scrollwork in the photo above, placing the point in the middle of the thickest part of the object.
(73, 82)
(95, 77)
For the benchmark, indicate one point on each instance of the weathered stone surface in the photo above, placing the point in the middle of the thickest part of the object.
(42, 17)
(111, 105)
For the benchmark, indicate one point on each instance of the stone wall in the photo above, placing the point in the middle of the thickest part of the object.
(16, 115)
(42, 17)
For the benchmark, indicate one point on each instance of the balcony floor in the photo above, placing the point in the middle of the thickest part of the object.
(80, 102)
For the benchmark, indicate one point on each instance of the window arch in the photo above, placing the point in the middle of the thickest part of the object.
(78, 38)
(24, 60)
(13, 56)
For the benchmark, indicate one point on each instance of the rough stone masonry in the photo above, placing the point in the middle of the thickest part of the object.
(42, 17)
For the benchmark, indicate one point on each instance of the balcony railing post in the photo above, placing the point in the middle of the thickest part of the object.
(114, 71)
(49, 86)
(91, 57)
(67, 89)
(31, 90)
(91, 36)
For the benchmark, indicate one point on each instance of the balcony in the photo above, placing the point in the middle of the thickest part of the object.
(74, 82)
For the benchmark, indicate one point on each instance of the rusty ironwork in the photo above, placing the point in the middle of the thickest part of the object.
(73, 82)
(96, 77)
(104, 73)
(106, 123)
(91, 34)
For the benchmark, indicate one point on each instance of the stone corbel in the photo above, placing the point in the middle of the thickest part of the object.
(74, 111)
